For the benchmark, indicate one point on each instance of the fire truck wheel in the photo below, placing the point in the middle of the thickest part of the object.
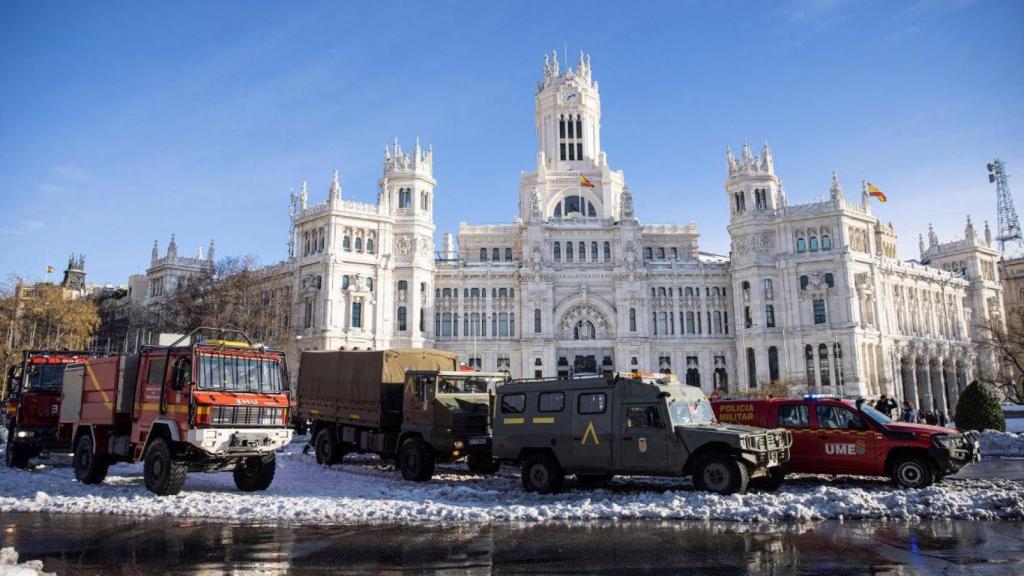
(483, 464)
(90, 468)
(913, 472)
(771, 482)
(16, 456)
(328, 450)
(542, 474)
(254, 473)
(164, 474)
(720, 473)
(416, 460)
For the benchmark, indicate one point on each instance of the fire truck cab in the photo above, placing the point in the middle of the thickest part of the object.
(206, 406)
(32, 403)
(835, 436)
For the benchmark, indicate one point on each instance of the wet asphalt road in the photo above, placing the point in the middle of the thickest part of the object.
(81, 544)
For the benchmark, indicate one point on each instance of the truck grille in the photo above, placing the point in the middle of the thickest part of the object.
(246, 416)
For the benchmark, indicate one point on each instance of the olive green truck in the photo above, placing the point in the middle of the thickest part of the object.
(411, 406)
(599, 426)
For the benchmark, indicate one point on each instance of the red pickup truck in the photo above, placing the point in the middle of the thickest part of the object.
(833, 436)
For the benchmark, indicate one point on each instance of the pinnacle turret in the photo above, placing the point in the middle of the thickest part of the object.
(836, 189)
(749, 164)
(335, 192)
(397, 160)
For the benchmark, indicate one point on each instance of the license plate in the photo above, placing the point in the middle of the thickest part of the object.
(477, 441)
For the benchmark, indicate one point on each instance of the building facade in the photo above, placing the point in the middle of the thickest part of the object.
(813, 294)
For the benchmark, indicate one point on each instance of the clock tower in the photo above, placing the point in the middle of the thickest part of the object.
(568, 116)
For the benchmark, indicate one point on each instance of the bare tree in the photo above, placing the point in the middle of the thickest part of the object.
(1007, 345)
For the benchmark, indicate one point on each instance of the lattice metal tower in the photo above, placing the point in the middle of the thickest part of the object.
(1009, 237)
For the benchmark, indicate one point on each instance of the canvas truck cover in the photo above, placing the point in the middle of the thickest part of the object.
(361, 387)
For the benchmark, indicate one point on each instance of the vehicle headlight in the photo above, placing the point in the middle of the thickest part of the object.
(946, 441)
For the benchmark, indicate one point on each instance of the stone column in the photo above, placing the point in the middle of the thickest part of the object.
(939, 386)
(951, 384)
(909, 366)
(925, 383)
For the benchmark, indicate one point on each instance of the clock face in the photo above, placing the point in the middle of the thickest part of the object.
(571, 96)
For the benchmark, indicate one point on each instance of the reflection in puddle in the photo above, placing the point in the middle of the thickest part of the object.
(83, 544)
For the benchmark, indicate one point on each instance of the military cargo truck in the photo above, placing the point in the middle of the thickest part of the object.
(599, 426)
(412, 406)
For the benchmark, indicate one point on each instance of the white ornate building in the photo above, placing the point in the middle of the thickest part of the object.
(813, 294)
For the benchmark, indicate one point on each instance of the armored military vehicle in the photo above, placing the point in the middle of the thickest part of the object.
(598, 426)
(413, 406)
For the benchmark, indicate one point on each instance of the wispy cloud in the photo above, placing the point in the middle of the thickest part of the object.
(71, 172)
(814, 12)
(23, 228)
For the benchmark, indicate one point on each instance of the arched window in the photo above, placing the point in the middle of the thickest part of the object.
(496, 255)
(648, 254)
(511, 292)
(402, 322)
(809, 365)
(751, 369)
(446, 325)
(593, 251)
(369, 245)
(813, 243)
(773, 363)
(508, 254)
(359, 244)
(558, 252)
(675, 253)
(483, 254)
(661, 291)
(503, 293)
(690, 325)
(503, 324)
(369, 284)
(568, 251)
(689, 292)
(803, 282)
(536, 321)
(344, 282)
(475, 293)
(769, 316)
(632, 319)
(346, 243)
(424, 199)
(826, 242)
(512, 324)
(661, 253)
(718, 322)
(607, 251)
(830, 280)
(583, 251)
(404, 198)
(403, 285)
(447, 293)
(584, 330)
(558, 210)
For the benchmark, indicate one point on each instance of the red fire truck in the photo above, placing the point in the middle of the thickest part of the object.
(205, 406)
(833, 436)
(32, 404)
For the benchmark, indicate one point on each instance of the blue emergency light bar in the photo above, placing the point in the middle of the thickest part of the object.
(820, 396)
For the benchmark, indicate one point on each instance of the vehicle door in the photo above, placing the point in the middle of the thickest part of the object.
(591, 429)
(643, 437)
(846, 443)
(147, 399)
(795, 417)
(418, 408)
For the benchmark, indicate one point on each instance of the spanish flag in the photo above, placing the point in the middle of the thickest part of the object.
(585, 182)
(49, 269)
(874, 191)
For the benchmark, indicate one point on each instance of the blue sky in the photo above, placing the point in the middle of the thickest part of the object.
(122, 122)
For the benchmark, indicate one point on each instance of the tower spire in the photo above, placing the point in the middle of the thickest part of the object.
(335, 192)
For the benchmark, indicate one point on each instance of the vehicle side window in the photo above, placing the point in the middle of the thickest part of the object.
(513, 403)
(155, 375)
(643, 417)
(793, 416)
(423, 388)
(551, 402)
(592, 403)
(838, 418)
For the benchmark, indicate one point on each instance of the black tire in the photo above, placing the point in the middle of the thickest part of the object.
(483, 464)
(593, 479)
(17, 456)
(770, 483)
(163, 472)
(912, 472)
(328, 449)
(542, 474)
(255, 473)
(90, 468)
(720, 473)
(416, 460)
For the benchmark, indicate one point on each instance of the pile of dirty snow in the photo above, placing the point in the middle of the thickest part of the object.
(1004, 444)
(364, 490)
(9, 565)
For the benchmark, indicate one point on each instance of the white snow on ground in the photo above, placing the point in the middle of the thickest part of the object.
(365, 491)
(9, 565)
(995, 443)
